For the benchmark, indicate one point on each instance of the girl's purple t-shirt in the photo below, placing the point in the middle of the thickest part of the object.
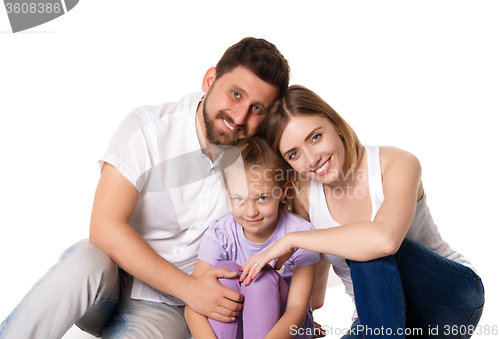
(224, 240)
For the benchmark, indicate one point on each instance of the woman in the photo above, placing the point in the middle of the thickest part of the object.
(372, 224)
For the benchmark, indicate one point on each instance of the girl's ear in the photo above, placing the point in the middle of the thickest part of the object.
(208, 79)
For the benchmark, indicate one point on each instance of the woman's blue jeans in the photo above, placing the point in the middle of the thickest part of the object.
(416, 293)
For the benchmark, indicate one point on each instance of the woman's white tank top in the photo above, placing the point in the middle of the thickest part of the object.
(423, 229)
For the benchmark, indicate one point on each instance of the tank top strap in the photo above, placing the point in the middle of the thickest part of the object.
(318, 208)
(374, 178)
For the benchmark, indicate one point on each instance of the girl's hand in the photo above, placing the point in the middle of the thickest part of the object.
(281, 249)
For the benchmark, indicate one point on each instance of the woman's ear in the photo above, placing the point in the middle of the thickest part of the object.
(284, 189)
(208, 79)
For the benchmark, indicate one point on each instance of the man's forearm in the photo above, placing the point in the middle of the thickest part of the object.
(131, 252)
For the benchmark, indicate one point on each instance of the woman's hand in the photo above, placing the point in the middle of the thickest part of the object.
(281, 249)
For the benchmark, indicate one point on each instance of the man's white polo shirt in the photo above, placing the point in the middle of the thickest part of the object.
(181, 191)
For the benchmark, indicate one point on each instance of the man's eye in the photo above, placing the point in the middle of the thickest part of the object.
(257, 109)
(236, 94)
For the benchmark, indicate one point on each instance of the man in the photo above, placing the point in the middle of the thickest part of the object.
(159, 189)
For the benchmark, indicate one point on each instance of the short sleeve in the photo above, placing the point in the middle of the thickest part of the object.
(303, 258)
(213, 245)
(129, 150)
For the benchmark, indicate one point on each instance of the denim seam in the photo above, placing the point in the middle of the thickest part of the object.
(470, 272)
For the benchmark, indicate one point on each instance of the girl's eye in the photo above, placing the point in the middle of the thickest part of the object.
(316, 137)
(238, 200)
(263, 198)
(292, 155)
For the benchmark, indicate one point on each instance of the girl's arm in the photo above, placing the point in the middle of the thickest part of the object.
(320, 282)
(364, 240)
(198, 324)
(298, 300)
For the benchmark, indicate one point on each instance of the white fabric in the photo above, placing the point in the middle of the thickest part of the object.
(422, 230)
(181, 191)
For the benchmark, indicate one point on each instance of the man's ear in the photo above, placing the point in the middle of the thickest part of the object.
(208, 79)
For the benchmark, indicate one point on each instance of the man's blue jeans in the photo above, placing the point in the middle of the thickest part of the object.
(415, 292)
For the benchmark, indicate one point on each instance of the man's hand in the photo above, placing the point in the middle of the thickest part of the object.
(209, 298)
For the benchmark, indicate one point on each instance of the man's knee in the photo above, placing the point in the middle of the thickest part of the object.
(86, 259)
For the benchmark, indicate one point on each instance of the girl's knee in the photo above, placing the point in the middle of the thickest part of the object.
(230, 265)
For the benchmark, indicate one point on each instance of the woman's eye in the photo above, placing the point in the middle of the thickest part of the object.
(316, 137)
(292, 155)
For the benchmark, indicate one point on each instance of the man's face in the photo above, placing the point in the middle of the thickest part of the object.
(235, 105)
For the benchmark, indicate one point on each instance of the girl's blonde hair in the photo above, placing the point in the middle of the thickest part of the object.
(301, 101)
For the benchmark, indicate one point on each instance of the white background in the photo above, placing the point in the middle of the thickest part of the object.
(423, 76)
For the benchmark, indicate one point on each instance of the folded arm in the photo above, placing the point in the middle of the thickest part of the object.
(114, 202)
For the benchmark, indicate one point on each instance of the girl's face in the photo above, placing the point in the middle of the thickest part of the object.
(255, 197)
(311, 144)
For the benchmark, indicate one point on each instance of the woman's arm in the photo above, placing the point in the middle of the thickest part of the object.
(364, 240)
(297, 303)
(198, 324)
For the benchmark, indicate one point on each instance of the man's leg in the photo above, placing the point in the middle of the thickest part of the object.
(139, 319)
(83, 280)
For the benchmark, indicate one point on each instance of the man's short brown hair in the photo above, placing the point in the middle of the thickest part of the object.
(259, 56)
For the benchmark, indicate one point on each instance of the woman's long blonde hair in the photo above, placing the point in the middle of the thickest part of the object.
(301, 101)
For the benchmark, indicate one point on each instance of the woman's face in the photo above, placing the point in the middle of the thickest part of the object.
(312, 146)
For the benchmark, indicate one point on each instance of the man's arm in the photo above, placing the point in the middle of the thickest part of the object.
(198, 324)
(114, 202)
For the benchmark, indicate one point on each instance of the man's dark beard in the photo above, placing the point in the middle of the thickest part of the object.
(211, 132)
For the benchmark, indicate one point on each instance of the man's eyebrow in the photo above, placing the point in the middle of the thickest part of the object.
(258, 103)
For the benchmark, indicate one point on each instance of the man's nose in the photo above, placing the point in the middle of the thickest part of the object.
(240, 114)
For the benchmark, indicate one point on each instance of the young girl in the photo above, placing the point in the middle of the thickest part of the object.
(372, 224)
(276, 305)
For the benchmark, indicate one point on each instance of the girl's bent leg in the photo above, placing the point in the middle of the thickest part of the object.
(264, 303)
(83, 280)
(443, 298)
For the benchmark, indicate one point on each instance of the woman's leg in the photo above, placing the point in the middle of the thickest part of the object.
(435, 295)
(84, 282)
(380, 299)
(443, 297)
(264, 303)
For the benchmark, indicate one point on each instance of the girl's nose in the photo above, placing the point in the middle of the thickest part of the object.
(251, 210)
